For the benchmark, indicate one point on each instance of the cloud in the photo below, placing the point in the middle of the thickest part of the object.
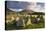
(18, 6)
(16, 10)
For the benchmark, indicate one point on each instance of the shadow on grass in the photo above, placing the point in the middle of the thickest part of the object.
(33, 26)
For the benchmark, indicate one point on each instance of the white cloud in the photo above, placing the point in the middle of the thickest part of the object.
(36, 8)
(16, 10)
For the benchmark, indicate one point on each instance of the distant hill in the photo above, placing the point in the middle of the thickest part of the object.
(25, 11)
(38, 13)
(28, 11)
(32, 12)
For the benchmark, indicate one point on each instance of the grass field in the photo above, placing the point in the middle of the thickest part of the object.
(33, 26)
(30, 26)
(11, 19)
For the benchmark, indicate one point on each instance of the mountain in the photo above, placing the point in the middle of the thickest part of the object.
(26, 11)
(38, 13)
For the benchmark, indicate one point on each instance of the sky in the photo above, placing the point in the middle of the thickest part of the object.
(19, 5)
(28, 0)
(16, 5)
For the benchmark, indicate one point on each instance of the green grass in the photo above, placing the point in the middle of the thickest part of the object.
(33, 26)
